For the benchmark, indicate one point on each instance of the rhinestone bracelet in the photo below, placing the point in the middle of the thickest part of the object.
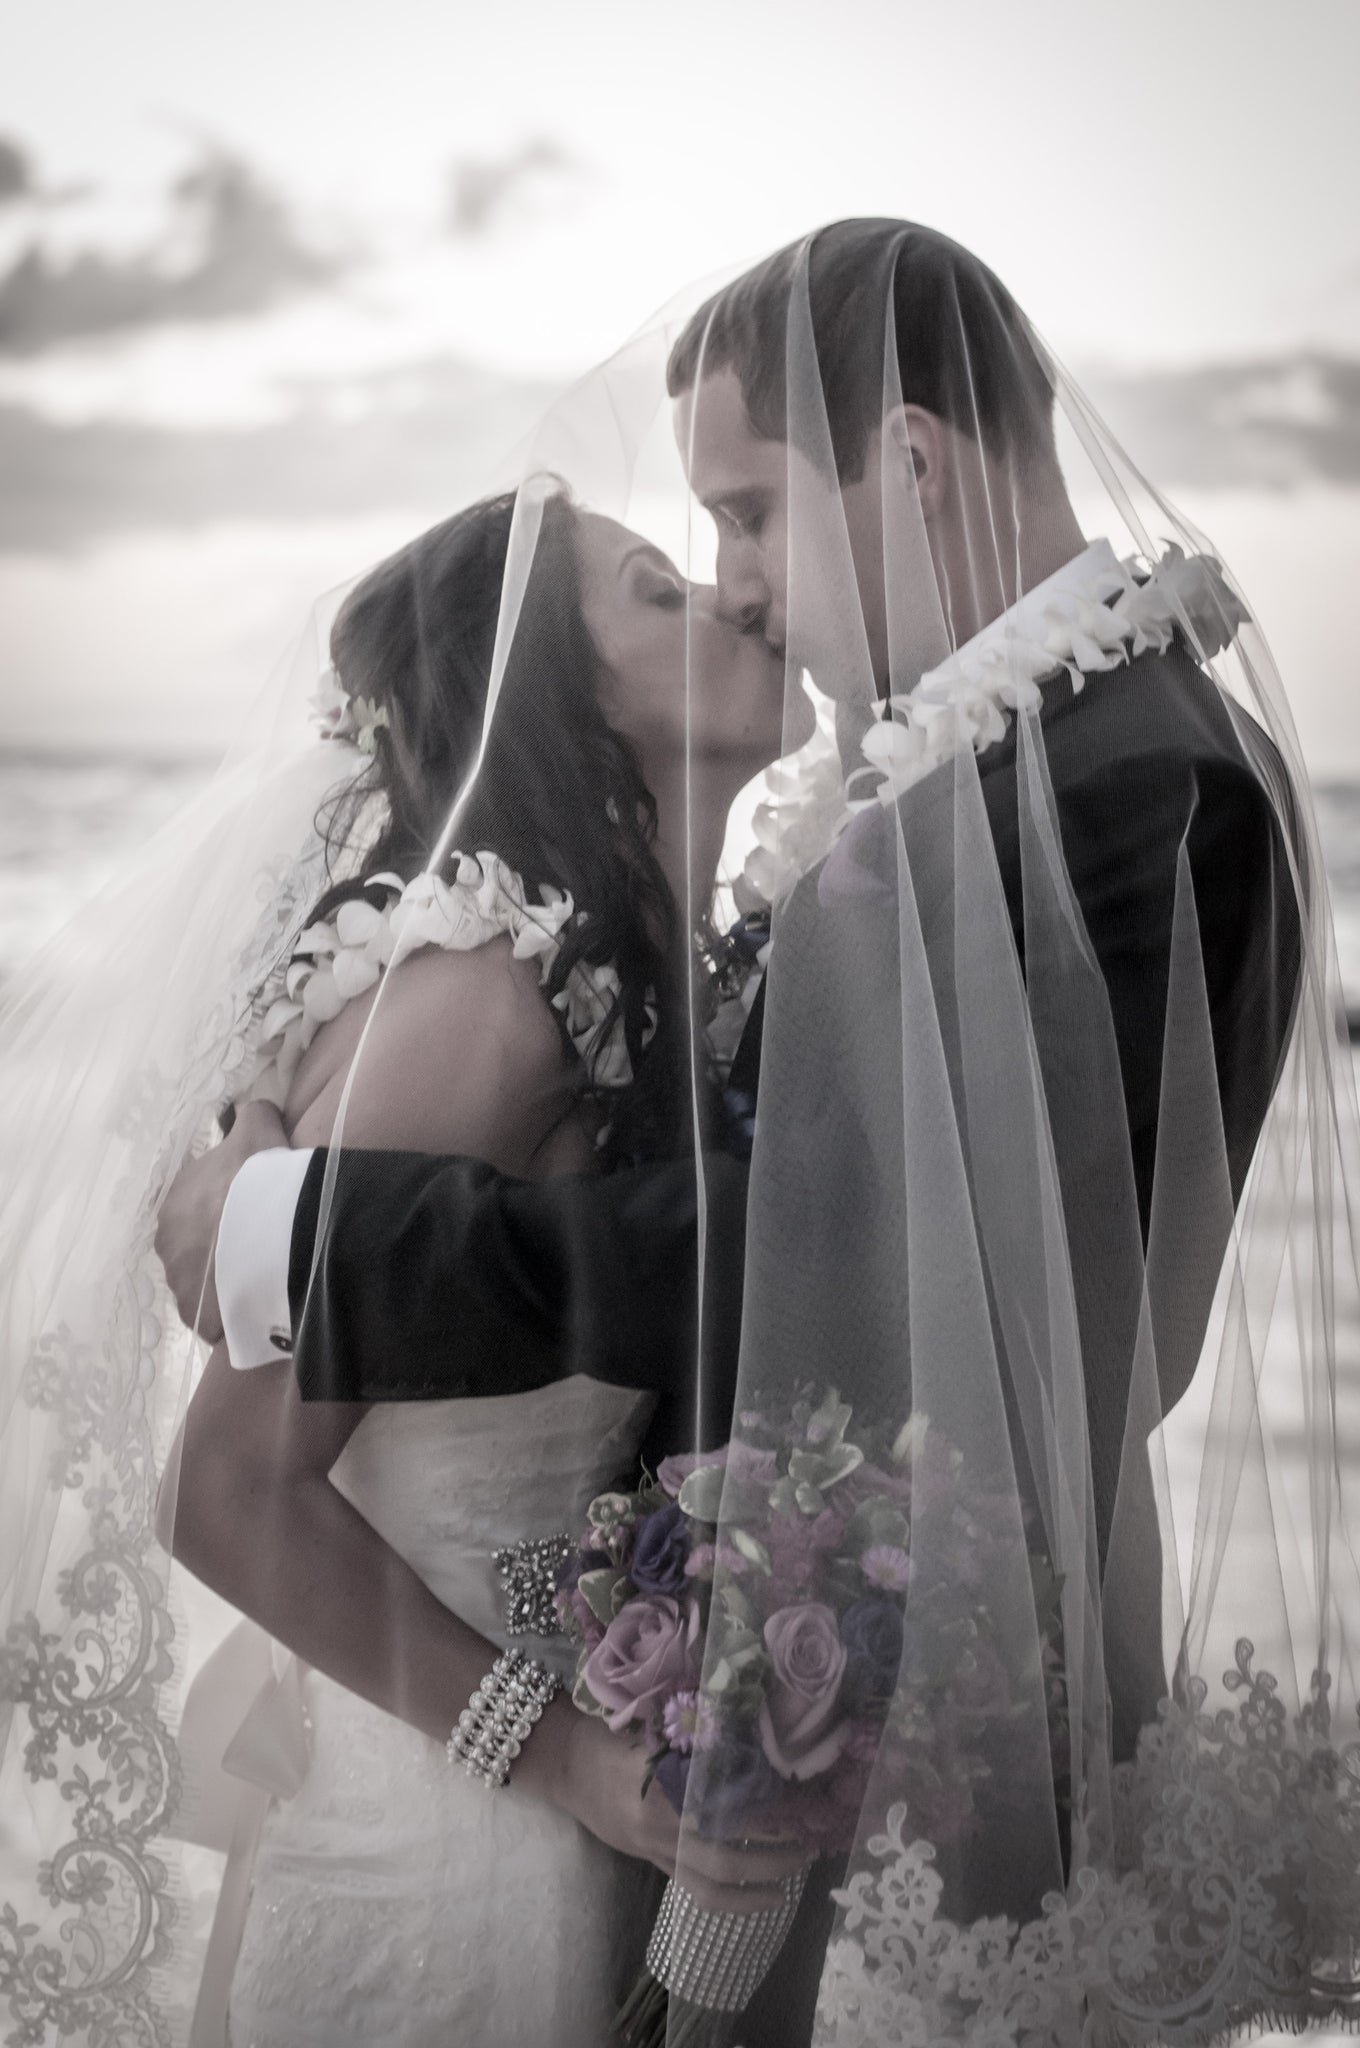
(496, 1722)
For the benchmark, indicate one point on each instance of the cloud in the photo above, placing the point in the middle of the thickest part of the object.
(16, 175)
(1272, 423)
(247, 255)
(419, 441)
(486, 191)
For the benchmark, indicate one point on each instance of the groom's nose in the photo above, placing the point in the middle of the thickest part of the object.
(743, 595)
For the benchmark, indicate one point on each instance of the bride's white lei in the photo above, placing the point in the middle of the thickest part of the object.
(967, 701)
(334, 961)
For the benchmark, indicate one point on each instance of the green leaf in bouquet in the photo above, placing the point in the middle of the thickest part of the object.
(824, 1468)
(783, 1497)
(701, 1494)
(652, 1762)
(713, 1493)
(742, 1663)
(752, 1549)
(878, 1520)
(741, 1655)
(604, 1591)
(809, 1498)
(584, 1699)
(736, 1608)
(735, 1634)
(910, 1437)
(829, 1420)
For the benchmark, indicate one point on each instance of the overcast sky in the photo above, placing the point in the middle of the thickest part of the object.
(273, 278)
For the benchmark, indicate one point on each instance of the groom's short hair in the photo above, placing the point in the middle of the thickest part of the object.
(964, 350)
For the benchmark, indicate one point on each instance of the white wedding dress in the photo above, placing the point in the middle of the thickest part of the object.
(394, 1900)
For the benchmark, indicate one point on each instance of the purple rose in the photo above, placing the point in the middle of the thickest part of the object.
(871, 1631)
(648, 1652)
(727, 1787)
(660, 1552)
(798, 1728)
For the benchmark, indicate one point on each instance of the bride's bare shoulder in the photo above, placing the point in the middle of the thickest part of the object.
(461, 1053)
(491, 1004)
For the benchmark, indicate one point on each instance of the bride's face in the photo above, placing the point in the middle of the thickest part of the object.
(677, 676)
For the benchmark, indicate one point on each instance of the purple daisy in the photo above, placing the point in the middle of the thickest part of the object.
(885, 1565)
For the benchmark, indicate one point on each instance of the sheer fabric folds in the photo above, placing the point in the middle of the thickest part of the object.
(1017, 1003)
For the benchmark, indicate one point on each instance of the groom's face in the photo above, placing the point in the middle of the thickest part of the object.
(744, 481)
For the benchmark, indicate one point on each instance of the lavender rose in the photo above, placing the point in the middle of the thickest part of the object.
(648, 1652)
(660, 1551)
(799, 1732)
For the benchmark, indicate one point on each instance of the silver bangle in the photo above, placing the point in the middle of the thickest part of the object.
(497, 1721)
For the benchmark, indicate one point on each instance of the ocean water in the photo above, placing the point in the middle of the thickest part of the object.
(68, 821)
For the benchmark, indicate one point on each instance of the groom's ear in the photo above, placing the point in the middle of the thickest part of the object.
(918, 441)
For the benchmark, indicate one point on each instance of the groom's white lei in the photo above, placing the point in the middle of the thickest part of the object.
(1130, 609)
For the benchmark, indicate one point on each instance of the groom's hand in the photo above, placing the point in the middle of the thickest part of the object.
(186, 1229)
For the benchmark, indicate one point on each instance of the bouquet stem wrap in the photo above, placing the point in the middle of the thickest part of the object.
(718, 1960)
(712, 1963)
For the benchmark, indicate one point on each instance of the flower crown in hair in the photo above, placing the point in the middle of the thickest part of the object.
(338, 716)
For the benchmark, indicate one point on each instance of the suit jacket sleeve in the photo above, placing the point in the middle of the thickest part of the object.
(440, 1278)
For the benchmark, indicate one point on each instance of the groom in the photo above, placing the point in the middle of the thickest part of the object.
(441, 1278)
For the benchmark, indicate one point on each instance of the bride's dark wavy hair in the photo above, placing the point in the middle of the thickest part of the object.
(559, 795)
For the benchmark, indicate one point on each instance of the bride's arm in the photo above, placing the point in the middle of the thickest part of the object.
(458, 1060)
(260, 1522)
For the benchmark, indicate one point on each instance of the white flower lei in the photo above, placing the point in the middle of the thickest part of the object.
(967, 700)
(333, 962)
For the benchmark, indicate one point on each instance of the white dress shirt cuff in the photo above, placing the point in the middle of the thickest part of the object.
(254, 1239)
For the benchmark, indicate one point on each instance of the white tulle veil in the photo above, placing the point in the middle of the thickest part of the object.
(123, 1041)
(1085, 1219)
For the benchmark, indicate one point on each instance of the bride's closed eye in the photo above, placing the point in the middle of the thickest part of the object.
(658, 586)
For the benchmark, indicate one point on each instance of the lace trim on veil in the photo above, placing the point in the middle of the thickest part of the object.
(1238, 1841)
(101, 1763)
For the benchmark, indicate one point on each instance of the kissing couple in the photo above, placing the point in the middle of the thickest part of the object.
(698, 1279)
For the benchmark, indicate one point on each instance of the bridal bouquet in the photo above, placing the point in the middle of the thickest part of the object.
(760, 1615)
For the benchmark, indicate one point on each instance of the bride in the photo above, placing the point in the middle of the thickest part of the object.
(392, 1900)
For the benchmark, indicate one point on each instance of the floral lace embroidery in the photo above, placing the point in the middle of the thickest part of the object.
(91, 1692)
(1238, 1895)
(91, 1665)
